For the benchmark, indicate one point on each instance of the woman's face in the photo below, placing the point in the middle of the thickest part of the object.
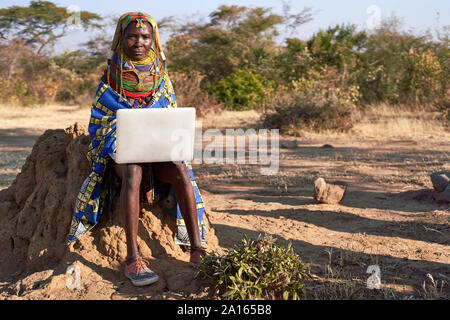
(138, 41)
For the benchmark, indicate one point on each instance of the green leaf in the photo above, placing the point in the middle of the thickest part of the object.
(229, 293)
(240, 272)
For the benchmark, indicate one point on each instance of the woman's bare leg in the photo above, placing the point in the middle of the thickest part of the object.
(178, 176)
(131, 176)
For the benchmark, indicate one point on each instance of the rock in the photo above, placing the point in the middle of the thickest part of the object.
(328, 193)
(440, 181)
(327, 146)
(289, 144)
(443, 197)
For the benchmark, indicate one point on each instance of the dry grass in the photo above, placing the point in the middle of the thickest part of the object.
(231, 119)
(340, 282)
(433, 289)
(41, 118)
(382, 122)
(386, 122)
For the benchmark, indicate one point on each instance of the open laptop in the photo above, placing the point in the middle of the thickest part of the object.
(154, 135)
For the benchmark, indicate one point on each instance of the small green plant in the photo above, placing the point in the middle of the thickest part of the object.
(256, 269)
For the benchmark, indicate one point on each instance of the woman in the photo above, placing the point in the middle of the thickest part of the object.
(136, 77)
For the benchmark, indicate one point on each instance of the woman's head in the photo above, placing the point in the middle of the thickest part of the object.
(138, 40)
(136, 34)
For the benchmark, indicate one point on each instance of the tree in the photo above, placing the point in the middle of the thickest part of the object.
(235, 37)
(42, 23)
(339, 46)
(388, 64)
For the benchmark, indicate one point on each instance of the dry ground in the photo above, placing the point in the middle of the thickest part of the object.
(385, 162)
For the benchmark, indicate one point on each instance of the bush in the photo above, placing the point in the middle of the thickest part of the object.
(64, 96)
(444, 108)
(190, 94)
(317, 101)
(31, 79)
(421, 82)
(301, 113)
(258, 269)
(242, 89)
(313, 110)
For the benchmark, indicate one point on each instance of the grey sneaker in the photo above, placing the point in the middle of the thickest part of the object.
(140, 275)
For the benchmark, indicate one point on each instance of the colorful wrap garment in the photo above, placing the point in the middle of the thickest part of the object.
(90, 201)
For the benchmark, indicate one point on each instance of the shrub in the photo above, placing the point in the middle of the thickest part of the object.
(256, 269)
(64, 96)
(190, 94)
(242, 89)
(444, 108)
(301, 113)
(421, 82)
(294, 111)
(317, 101)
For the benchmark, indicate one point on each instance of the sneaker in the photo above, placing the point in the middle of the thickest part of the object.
(196, 254)
(140, 275)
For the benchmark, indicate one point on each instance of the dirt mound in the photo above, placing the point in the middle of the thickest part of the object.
(35, 216)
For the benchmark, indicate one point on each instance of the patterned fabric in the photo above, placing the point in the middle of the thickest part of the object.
(102, 131)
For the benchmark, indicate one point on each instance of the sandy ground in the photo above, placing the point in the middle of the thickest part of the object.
(387, 217)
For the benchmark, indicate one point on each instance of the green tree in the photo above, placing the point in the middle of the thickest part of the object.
(388, 65)
(42, 23)
(294, 61)
(421, 80)
(339, 46)
(235, 37)
(236, 42)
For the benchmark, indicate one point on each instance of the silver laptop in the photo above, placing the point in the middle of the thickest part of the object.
(154, 135)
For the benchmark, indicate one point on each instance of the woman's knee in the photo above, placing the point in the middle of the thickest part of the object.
(173, 173)
(181, 174)
(132, 175)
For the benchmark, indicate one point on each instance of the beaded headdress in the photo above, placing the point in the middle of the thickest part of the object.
(135, 79)
(139, 17)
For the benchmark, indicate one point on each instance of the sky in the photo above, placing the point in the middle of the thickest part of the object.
(417, 15)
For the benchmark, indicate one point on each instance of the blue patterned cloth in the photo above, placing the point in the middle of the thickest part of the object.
(102, 131)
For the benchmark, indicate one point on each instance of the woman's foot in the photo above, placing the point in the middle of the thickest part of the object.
(138, 272)
(196, 254)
